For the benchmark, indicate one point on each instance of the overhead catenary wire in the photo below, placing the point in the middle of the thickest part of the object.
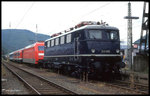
(97, 9)
(93, 11)
(25, 14)
(76, 21)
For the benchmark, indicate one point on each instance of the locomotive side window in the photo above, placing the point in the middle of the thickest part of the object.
(68, 38)
(52, 42)
(62, 40)
(95, 34)
(48, 44)
(57, 41)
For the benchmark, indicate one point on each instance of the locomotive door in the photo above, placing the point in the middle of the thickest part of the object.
(76, 47)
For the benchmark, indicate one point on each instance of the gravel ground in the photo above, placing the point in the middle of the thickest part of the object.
(11, 84)
(75, 84)
(140, 76)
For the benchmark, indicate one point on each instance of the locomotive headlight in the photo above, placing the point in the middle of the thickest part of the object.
(117, 51)
(93, 50)
(41, 54)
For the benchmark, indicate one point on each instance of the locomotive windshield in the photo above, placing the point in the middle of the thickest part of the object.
(103, 34)
(40, 48)
(111, 35)
(95, 34)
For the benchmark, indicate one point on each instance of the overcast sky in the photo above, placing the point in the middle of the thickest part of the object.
(54, 17)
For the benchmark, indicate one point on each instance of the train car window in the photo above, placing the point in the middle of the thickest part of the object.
(57, 41)
(62, 40)
(95, 34)
(40, 48)
(68, 40)
(52, 42)
(112, 35)
(48, 44)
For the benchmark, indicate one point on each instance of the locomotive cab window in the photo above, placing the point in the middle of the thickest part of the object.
(40, 48)
(112, 35)
(95, 34)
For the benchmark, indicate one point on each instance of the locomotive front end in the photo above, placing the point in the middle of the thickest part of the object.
(103, 50)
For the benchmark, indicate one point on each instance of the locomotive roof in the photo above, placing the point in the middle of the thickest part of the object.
(32, 45)
(98, 27)
(28, 46)
(86, 27)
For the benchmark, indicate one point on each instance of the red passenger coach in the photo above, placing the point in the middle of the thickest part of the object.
(33, 53)
(17, 55)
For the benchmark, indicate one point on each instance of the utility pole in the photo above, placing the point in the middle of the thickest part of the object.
(129, 37)
(129, 44)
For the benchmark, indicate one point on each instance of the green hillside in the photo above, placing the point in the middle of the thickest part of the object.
(14, 39)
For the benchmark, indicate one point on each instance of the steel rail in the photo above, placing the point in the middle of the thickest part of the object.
(115, 84)
(52, 83)
(109, 84)
(126, 88)
(135, 83)
(23, 80)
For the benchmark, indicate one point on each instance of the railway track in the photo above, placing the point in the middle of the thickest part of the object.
(135, 87)
(38, 84)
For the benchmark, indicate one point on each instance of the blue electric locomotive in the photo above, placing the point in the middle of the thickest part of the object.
(95, 48)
